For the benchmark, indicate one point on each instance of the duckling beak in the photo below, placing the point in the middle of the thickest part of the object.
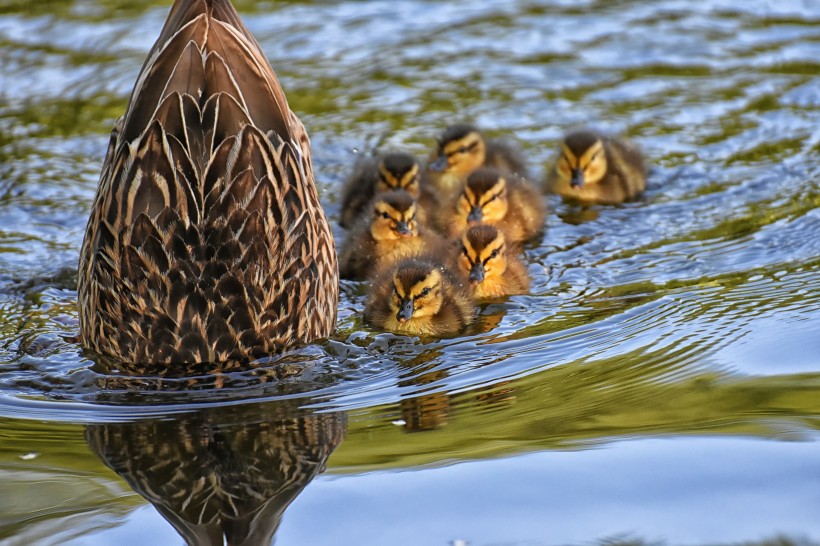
(403, 229)
(405, 311)
(577, 179)
(477, 273)
(476, 215)
(439, 165)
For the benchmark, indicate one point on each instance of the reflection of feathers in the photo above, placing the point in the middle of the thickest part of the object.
(206, 240)
(217, 475)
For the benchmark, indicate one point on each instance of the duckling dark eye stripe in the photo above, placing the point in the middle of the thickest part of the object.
(493, 198)
(432, 288)
(497, 251)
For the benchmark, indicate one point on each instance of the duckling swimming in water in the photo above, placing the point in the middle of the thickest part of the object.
(392, 232)
(419, 296)
(492, 266)
(462, 149)
(592, 168)
(370, 176)
(506, 201)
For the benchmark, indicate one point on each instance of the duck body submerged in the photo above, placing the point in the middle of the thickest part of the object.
(206, 240)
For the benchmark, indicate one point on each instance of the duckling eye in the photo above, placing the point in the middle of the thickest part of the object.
(494, 253)
(463, 150)
(385, 215)
(425, 293)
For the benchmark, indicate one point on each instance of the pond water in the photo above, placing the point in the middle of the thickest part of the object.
(660, 383)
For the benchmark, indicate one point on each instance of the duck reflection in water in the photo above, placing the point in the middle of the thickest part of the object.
(222, 475)
(421, 411)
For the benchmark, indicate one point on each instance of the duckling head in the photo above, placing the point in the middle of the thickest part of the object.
(484, 197)
(583, 158)
(394, 216)
(461, 150)
(482, 253)
(398, 171)
(417, 290)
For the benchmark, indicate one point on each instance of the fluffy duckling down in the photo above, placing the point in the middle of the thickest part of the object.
(492, 267)
(462, 149)
(391, 232)
(592, 168)
(419, 296)
(389, 172)
(508, 202)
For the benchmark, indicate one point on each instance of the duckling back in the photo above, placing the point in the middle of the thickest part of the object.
(206, 241)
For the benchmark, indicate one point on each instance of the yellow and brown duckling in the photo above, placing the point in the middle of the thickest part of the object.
(392, 232)
(506, 201)
(592, 168)
(371, 176)
(419, 296)
(493, 267)
(462, 149)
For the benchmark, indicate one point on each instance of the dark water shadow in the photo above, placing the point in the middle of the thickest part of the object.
(222, 474)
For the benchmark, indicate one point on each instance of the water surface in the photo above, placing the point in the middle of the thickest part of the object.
(661, 382)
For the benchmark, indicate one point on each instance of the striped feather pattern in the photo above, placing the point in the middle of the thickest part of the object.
(221, 477)
(206, 241)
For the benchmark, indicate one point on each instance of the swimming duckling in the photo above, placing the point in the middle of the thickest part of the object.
(506, 201)
(593, 168)
(462, 149)
(419, 296)
(392, 232)
(491, 265)
(392, 171)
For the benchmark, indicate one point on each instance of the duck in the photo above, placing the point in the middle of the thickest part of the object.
(506, 201)
(595, 169)
(393, 231)
(373, 175)
(206, 240)
(419, 296)
(492, 267)
(461, 149)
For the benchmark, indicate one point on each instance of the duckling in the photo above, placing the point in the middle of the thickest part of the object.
(419, 296)
(491, 265)
(462, 149)
(392, 232)
(593, 168)
(392, 171)
(506, 201)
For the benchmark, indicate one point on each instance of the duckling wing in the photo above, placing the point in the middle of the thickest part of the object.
(627, 165)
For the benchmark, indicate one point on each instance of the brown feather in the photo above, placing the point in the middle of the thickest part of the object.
(206, 241)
